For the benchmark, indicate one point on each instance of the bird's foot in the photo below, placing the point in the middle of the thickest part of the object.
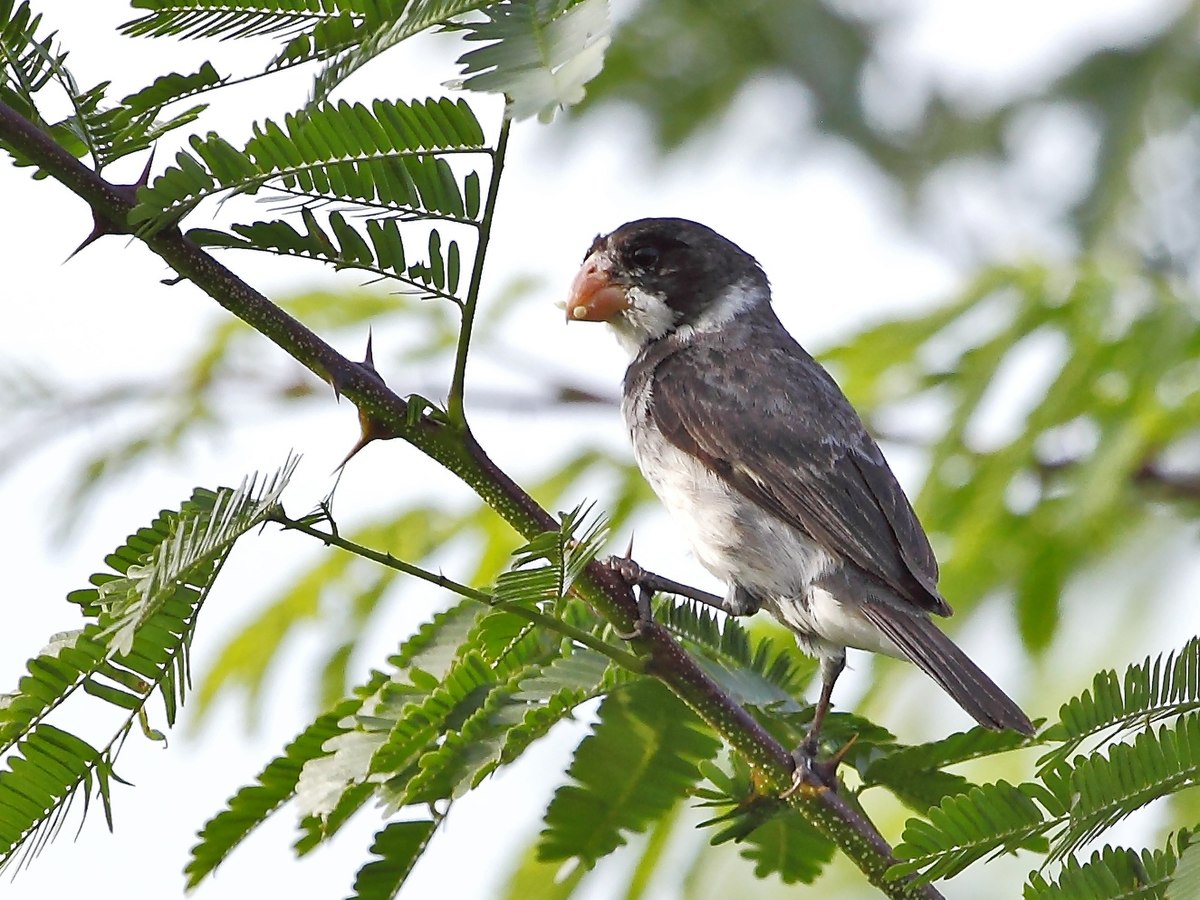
(811, 771)
(627, 569)
(634, 575)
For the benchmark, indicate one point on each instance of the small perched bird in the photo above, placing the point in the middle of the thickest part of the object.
(757, 453)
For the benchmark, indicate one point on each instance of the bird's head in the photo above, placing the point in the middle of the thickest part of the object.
(656, 277)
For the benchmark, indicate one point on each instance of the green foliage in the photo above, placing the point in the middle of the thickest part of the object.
(538, 55)
(1156, 689)
(397, 847)
(31, 62)
(1074, 800)
(139, 621)
(639, 760)
(389, 188)
(1028, 513)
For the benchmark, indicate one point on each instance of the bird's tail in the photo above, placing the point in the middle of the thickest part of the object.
(938, 656)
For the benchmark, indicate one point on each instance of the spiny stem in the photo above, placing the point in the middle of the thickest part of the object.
(458, 383)
(621, 657)
(457, 450)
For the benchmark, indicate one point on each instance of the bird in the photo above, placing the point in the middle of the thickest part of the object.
(764, 464)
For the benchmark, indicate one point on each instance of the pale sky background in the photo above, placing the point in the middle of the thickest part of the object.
(823, 226)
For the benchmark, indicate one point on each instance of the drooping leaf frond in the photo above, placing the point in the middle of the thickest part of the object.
(397, 848)
(637, 763)
(140, 620)
(274, 786)
(539, 55)
(1115, 873)
(363, 43)
(196, 546)
(233, 19)
(1153, 690)
(386, 157)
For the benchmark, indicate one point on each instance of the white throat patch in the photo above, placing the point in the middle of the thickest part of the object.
(647, 319)
(650, 318)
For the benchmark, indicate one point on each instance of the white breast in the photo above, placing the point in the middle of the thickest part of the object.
(732, 537)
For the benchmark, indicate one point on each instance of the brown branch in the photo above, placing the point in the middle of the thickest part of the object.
(453, 445)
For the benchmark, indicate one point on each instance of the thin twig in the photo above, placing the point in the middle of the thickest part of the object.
(454, 405)
(616, 654)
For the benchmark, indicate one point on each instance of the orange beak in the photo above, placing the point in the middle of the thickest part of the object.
(595, 297)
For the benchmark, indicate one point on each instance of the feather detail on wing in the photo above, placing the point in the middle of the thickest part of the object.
(771, 421)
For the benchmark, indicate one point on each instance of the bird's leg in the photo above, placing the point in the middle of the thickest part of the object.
(635, 576)
(806, 754)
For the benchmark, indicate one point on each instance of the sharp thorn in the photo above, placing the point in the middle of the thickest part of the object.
(358, 445)
(369, 359)
(98, 231)
(144, 178)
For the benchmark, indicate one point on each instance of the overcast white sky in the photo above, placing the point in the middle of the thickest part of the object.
(831, 241)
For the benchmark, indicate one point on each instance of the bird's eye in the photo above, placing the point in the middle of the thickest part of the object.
(645, 256)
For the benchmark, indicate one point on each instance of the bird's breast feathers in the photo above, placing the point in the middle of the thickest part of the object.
(734, 538)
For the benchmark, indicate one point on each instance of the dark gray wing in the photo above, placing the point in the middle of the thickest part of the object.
(767, 418)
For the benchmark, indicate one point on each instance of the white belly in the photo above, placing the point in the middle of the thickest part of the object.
(742, 544)
(732, 537)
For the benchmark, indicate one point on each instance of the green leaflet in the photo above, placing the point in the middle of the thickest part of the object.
(1117, 873)
(538, 55)
(142, 614)
(383, 156)
(396, 848)
(276, 784)
(1157, 688)
(639, 760)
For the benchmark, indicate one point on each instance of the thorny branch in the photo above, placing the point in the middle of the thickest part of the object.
(451, 443)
